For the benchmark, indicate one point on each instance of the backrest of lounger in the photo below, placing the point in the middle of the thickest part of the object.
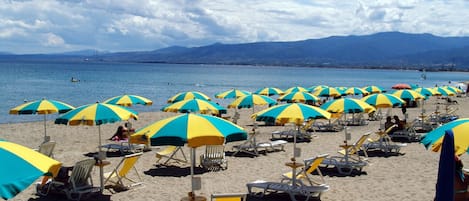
(128, 163)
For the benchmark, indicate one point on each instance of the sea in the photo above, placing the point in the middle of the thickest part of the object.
(96, 82)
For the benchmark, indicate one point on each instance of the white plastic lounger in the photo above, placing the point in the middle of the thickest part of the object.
(274, 187)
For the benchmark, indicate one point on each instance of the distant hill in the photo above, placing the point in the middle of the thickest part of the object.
(380, 50)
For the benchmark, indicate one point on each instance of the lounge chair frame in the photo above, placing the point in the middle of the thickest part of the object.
(293, 191)
(170, 154)
(120, 172)
(214, 158)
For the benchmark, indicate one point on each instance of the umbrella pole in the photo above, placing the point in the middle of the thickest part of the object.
(192, 194)
(45, 129)
(101, 176)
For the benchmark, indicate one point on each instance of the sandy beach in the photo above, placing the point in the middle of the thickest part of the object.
(410, 176)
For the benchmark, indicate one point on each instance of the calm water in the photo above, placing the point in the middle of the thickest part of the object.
(158, 82)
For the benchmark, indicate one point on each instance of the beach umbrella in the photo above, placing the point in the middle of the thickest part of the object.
(96, 114)
(195, 105)
(296, 89)
(383, 100)
(401, 86)
(128, 100)
(453, 89)
(269, 91)
(232, 93)
(249, 101)
(194, 129)
(356, 91)
(443, 91)
(21, 167)
(408, 94)
(296, 113)
(372, 89)
(44, 107)
(327, 92)
(460, 129)
(188, 95)
(314, 88)
(347, 105)
(298, 97)
(426, 91)
(446, 169)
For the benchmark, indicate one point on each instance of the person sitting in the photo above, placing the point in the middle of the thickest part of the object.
(121, 134)
(461, 181)
(389, 124)
(400, 124)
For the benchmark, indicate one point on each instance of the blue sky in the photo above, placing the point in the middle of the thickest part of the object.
(47, 26)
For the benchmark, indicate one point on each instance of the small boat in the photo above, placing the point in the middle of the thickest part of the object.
(74, 80)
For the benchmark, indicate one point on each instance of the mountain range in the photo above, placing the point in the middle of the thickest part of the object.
(380, 50)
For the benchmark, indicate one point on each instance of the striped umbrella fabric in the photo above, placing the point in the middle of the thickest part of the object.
(296, 89)
(299, 97)
(314, 88)
(250, 100)
(453, 89)
(407, 94)
(444, 92)
(347, 105)
(188, 95)
(373, 89)
(356, 91)
(128, 100)
(327, 92)
(195, 105)
(233, 93)
(96, 114)
(269, 91)
(426, 91)
(291, 113)
(460, 127)
(21, 167)
(194, 129)
(383, 100)
(44, 107)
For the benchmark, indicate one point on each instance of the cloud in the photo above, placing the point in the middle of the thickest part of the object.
(123, 25)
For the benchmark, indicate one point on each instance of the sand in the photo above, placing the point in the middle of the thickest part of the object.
(408, 176)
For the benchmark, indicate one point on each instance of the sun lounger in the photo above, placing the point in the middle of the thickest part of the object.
(311, 165)
(214, 158)
(409, 133)
(274, 187)
(120, 172)
(169, 153)
(124, 147)
(47, 148)
(228, 197)
(344, 165)
(383, 143)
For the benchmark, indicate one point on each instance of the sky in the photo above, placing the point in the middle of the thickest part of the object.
(48, 26)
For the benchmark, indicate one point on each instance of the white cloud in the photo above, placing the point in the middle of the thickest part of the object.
(121, 25)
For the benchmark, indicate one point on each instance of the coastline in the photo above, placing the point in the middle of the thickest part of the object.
(410, 176)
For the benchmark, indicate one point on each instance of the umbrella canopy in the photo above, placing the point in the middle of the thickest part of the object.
(195, 105)
(407, 94)
(327, 92)
(443, 91)
(373, 89)
(44, 107)
(233, 93)
(314, 88)
(426, 91)
(453, 89)
(269, 91)
(401, 86)
(356, 91)
(249, 101)
(291, 113)
(446, 170)
(383, 100)
(347, 105)
(299, 97)
(194, 129)
(296, 89)
(188, 95)
(128, 100)
(460, 129)
(21, 167)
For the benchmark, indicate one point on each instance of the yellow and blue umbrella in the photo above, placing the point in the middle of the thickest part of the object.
(232, 93)
(356, 91)
(347, 105)
(44, 107)
(460, 129)
(453, 89)
(194, 129)
(96, 114)
(249, 101)
(188, 95)
(327, 92)
(299, 97)
(195, 105)
(21, 167)
(296, 89)
(269, 91)
(373, 89)
(314, 88)
(426, 91)
(291, 113)
(128, 100)
(383, 100)
(407, 94)
(444, 91)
